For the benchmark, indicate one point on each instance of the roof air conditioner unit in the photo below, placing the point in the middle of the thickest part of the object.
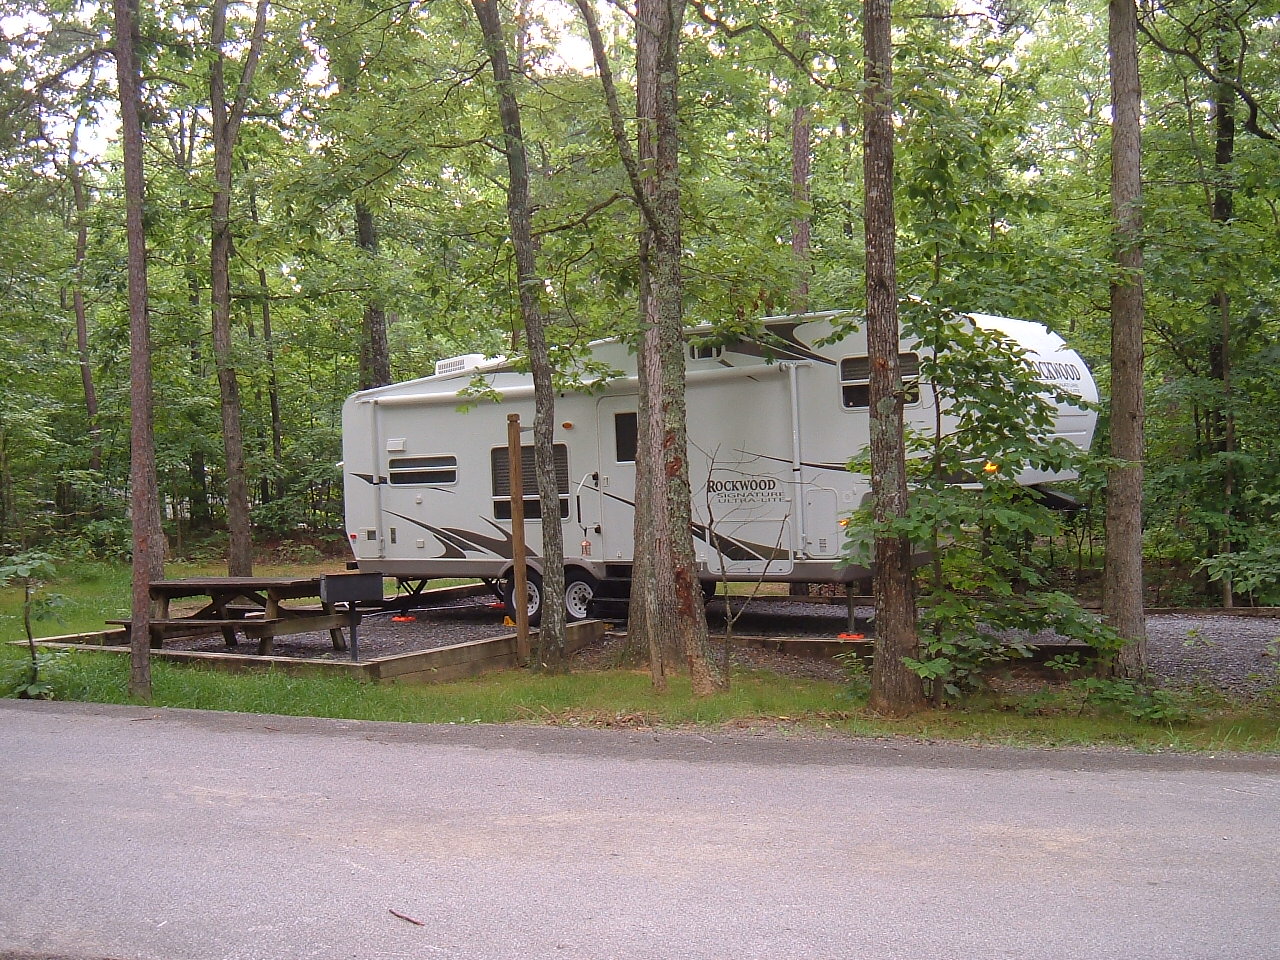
(468, 361)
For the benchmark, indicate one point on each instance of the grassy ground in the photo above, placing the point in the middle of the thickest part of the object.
(625, 698)
(94, 593)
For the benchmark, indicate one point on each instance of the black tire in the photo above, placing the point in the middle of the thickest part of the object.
(579, 592)
(535, 596)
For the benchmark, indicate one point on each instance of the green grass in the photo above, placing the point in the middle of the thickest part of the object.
(95, 592)
(626, 698)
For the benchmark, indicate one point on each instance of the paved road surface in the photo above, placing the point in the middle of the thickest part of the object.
(172, 835)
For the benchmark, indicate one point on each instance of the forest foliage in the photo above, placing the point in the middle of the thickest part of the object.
(1002, 200)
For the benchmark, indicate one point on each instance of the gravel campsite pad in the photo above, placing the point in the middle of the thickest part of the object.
(383, 634)
(1236, 654)
(1231, 653)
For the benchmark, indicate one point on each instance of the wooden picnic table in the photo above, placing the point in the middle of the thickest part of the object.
(254, 606)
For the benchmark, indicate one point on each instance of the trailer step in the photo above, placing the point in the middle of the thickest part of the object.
(612, 599)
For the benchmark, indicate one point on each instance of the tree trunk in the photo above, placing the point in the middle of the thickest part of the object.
(652, 580)
(667, 615)
(551, 633)
(240, 546)
(273, 379)
(801, 170)
(375, 354)
(81, 315)
(895, 689)
(148, 534)
(847, 220)
(1223, 210)
(273, 387)
(197, 468)
(1122, 575)
(688, 618)
(226, 120)
(801, 222)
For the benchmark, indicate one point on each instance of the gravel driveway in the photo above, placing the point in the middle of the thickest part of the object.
(1237, 654)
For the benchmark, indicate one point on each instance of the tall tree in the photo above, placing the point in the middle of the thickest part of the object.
(375, 353)
(1222, 211)
(1123, 581)
(662, 398)
(74, 172)
(227, 118)
(529, 289)
(895, 688)
(801, 172)
(667, 613)
(148, 535)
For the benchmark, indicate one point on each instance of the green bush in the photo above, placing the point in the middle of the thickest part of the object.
(983, 597)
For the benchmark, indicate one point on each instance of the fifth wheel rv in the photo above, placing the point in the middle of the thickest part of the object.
(772, 422)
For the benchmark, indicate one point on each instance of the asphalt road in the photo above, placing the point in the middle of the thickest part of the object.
(173, 835)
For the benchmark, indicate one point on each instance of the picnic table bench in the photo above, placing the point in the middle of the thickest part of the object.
(255, 606)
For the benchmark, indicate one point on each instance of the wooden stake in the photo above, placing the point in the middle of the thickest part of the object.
(520, 579)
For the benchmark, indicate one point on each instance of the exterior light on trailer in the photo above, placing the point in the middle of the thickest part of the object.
(990, 467)
(844, 521)
(355, 536)
(568, 424)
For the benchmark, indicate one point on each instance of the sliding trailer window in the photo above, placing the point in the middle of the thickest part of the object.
(417, 470)
(855, 380)
(532, 505)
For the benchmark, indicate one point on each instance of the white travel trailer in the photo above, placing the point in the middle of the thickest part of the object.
(772, 422)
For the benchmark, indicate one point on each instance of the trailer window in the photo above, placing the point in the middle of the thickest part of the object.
(422, 470)
(532, 505)
(855, 379)
(624, 437)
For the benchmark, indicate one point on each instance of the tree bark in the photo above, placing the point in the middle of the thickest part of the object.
(801, 171)
(895, 689)
(652, 579)
(1122, 575)
(688, 617)
(667, 615)
(375, 353)
(1223, 210)
(273, 379)
(144, 497)
(550, 652)
(226, 120)
(81, 315)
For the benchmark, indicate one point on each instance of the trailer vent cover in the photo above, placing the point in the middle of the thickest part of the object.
(468, 361)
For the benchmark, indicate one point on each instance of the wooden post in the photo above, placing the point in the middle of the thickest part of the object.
(520, 579)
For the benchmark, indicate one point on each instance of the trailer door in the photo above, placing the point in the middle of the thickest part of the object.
(617, 477)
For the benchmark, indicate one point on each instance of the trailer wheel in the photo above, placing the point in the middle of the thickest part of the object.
(579, 591)
(534, 580)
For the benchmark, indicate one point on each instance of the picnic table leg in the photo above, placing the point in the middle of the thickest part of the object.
(265, 645)
(335, 633)
(220, 608)
(159, 611)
